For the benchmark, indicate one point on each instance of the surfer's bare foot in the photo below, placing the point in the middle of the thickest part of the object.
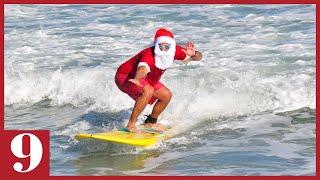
(156, 126)
(160, 127)
(134, 129)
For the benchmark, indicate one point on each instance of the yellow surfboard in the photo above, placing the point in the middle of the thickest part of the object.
(148, 138)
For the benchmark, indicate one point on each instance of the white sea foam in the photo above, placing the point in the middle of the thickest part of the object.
(203, 93)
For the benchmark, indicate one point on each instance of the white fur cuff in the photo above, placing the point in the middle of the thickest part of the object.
(145, 65)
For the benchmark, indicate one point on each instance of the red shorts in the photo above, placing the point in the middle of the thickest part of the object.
(134, 91)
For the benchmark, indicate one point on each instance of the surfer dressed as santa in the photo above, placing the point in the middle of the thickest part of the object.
(139, 77)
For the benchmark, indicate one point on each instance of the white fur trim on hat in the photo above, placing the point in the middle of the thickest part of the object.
(165, 39)
(145, 65)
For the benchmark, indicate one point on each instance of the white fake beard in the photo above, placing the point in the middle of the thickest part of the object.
(164, 59)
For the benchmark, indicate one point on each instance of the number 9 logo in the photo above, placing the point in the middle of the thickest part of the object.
(35, 153)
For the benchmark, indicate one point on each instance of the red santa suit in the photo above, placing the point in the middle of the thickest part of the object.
(156, 62)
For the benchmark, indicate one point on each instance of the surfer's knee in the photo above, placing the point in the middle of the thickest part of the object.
(168, 95)
(164, 95)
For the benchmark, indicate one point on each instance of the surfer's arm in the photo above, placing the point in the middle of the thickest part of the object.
(141, 73)
(197, 56)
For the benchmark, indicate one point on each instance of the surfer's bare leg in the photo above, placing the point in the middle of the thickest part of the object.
(164, 96)
(139, 106)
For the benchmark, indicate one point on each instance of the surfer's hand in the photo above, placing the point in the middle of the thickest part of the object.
(136, 82)
(189, 49)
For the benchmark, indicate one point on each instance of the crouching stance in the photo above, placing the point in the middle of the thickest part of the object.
(139, 77)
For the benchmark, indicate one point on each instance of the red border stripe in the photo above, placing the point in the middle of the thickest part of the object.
(172, 2)
(160, 2)
(2, 68)
(317, 85)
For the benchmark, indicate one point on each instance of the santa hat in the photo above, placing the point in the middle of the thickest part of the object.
(164, 36)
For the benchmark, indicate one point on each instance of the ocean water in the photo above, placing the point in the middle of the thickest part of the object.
(248, 108)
